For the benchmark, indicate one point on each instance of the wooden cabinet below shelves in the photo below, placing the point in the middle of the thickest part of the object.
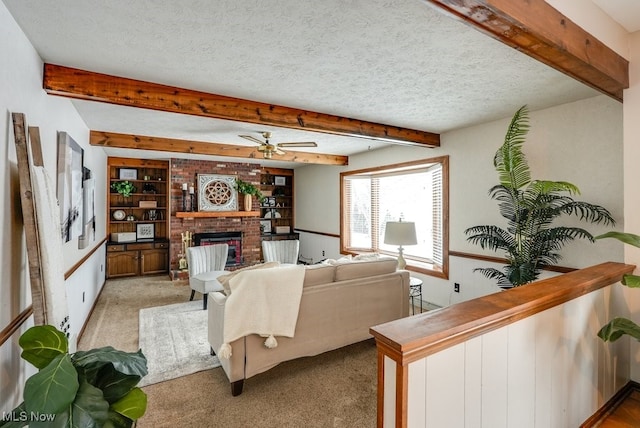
(144, 214)
(137, 258)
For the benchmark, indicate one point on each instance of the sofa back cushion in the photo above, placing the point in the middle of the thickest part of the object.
(364, 268)
(318, 274)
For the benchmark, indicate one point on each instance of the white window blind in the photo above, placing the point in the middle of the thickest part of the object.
(411, 192)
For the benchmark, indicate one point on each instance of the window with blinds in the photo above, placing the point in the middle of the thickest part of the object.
(413, 191)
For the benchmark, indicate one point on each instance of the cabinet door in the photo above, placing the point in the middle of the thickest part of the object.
(122, 263)
(154, 261)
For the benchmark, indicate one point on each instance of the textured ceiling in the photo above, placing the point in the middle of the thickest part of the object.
(396, 62)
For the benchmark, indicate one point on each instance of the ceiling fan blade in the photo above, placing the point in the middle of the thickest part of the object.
(279, 151)
(251, 138)
(298, 144)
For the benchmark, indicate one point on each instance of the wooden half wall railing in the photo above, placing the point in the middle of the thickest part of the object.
(413, 338)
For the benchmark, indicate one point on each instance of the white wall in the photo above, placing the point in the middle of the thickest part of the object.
(21, 91)
(579, 142)
(631, 179)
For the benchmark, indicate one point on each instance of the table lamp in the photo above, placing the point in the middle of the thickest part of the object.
(400, 233)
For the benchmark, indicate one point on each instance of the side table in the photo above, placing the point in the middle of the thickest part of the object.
(415, 291)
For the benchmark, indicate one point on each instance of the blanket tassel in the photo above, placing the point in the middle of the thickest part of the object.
(225, 351)
(271, 342)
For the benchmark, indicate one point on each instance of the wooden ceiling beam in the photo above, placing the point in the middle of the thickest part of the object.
(86, 85)
(138, 142)
(540, 31)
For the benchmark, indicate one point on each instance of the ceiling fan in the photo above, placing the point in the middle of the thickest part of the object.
(268, 149)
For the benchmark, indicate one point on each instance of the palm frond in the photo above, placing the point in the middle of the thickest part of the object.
(588, 212)
(509, 161)
(547, 187)
(491, 273)
(490, 237)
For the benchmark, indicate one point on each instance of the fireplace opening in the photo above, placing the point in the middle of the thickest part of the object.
(232, 239)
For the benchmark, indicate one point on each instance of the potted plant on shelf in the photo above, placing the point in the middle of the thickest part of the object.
(124, 188)
(248, 190)
(86, 388)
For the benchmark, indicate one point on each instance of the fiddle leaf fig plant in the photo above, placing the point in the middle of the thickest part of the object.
(92, 388)
(531, 241)
(125, 188)
(618, 327)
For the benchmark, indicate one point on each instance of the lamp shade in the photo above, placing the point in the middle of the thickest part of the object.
(400, 233)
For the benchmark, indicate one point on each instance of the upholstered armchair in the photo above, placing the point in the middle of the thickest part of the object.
(206, 263)
(284, 251)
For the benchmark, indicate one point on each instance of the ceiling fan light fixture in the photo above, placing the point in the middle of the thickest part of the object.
(269, 149)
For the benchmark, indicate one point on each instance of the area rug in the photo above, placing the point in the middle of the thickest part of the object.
(174, 340)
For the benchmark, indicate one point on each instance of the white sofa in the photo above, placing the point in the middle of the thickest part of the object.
(339, 303)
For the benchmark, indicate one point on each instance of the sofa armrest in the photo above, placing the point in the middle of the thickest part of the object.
(234, 366)
(215, 314)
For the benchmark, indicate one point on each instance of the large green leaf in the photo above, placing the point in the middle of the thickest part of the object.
(116, 420)
(631, 281)
(618, 327)
(41, 344)
(129, 363)
(90, 409)
(133, 405)
(627, 238)
(114, 385)
(53, 388)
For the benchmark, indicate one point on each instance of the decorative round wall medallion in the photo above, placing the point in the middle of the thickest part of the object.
(217, 192)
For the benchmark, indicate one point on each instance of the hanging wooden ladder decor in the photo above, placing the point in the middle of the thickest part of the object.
(28, 210)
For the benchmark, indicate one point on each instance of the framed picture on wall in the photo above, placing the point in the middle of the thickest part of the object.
(265, 226)
(69, 186)
(280, 181)
(128, 174)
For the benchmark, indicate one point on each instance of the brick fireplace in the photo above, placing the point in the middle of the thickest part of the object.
(186, 171)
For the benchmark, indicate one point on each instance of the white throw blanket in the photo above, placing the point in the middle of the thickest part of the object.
(264, 302)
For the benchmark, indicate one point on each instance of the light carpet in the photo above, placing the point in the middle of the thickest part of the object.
(174, 340)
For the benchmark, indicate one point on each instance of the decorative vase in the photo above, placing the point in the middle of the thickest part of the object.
(248, 201)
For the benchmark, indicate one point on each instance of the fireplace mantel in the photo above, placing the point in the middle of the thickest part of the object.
(207, 214)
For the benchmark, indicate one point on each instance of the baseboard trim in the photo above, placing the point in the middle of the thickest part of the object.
(93, 306)
(610, 406)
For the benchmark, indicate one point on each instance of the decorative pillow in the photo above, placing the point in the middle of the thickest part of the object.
(367, 256)
(340, 261)
(224, 279)
(318, 274)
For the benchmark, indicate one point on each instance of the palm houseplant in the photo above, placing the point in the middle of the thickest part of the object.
(531, 240)
(619, 326)
(95, 388)
(248, 190)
